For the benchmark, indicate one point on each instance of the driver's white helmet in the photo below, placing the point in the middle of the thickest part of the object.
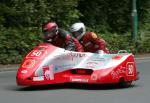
(78, 30)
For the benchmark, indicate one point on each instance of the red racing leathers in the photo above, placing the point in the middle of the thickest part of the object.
(92, 43)
(64, 40)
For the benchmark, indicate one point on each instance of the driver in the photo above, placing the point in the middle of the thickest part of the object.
(89, 40)
(60, 38)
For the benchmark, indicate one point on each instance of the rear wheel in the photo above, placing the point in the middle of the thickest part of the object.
(124, 83)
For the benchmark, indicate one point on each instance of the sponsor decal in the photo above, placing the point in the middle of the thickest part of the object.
(117, 72)
(76, 55)
(94, 36)
(24, 71)
(48, 72)
(79, 80)
(130, 69)
(29, 63)
(70, 56)
(95, 64)
(116, 57)
(65, 66)
(63, 58)
(94, 77)
(41, 78)
(91, 64)
(97, 57)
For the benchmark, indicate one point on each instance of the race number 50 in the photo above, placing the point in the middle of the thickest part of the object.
(36, 53)
(130, 69)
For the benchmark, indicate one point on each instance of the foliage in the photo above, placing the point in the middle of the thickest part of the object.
(16, 43)
(108, 15)
(117, 42)
(21, 20)
(26, 13)
(145, 39)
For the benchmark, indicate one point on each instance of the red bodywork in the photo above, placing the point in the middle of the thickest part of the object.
(33, 71)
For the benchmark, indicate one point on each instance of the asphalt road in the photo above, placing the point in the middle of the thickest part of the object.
(74, 93)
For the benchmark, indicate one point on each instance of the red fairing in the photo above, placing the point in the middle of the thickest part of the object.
(48, 64)
(31, 62)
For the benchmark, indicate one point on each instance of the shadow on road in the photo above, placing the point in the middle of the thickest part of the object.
(72, 86)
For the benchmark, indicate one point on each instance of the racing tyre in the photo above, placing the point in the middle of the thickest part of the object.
(125, 84)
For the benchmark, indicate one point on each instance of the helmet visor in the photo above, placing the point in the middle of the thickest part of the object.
(77, 33)
(49, 33)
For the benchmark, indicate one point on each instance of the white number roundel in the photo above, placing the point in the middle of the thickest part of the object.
(130, 68)
(36, 53)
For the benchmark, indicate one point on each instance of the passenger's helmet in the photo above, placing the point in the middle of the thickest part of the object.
(50, 29)
(78, 30)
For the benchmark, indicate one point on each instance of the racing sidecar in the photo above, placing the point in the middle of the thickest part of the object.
(47, 64)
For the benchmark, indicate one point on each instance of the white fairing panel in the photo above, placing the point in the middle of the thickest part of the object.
(63, 60)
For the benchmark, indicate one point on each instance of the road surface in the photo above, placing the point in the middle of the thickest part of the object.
(74, 93)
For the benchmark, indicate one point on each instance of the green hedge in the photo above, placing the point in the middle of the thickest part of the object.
(144, 41)
(117, 42)
(14, 44)
(124, 42)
